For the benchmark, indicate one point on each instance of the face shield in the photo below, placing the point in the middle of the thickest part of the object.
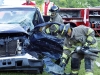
(64, 30)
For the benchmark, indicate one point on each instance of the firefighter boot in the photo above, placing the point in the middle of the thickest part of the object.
(88, 73)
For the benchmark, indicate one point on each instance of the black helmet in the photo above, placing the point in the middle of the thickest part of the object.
(54, 8)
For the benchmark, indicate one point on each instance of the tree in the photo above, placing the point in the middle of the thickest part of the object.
(73, 3)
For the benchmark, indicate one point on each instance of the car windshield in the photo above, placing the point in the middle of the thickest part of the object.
(16, 15)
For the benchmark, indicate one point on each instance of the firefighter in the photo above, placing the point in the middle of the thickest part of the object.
(79, 36)
(55, 17)
(29, 2)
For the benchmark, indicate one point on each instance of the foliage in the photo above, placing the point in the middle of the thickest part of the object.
(73, 3)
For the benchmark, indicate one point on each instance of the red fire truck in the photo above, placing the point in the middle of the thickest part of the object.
(82, 16)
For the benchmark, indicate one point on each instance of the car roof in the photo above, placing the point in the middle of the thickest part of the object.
(16, 6)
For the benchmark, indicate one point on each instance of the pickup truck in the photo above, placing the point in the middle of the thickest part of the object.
(22, 46)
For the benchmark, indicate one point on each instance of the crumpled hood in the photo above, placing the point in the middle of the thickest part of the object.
(11, 28)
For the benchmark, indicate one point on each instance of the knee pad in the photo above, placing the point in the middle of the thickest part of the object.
(75, 63)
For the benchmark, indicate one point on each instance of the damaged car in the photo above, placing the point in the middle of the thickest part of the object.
(22, 46)
(16, 25)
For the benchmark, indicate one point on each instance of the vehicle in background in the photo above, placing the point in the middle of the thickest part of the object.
(82, 16)
(22, 45)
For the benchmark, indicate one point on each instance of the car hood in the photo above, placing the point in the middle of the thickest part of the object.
(11, 28)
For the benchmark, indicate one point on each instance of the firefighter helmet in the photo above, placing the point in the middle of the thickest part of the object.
(64, 29)
(54, 8)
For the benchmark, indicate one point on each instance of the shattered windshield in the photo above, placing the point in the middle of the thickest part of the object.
(15, 15)
(22, 16)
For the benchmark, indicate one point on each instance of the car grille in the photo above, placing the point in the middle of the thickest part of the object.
(9, 49)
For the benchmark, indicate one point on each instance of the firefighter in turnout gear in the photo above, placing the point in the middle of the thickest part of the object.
(55, 17)
(78, 36)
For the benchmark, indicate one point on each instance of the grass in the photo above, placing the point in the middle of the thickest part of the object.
(81, 71)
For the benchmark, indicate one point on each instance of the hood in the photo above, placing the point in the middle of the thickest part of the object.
(11, 28)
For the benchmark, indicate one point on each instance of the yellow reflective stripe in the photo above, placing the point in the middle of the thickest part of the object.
(89, 31)
(94, 45)
(64, 47)
(69, 30)
(63, 61)
(63, 30)
(73, 46)
(47, 30)
(86, 44)
(65, 57)
(90, 38)
(71, 49)
(57, 27)
(74, 72)
(89, 73)
(78, 44)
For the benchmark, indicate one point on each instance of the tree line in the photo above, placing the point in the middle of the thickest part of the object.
(73, 3)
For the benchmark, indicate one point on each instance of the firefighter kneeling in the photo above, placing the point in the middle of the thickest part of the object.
(78, 36)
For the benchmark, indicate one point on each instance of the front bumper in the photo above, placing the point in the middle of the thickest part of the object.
(26, 63)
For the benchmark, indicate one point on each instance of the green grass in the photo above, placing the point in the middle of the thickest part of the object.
(81, 71)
